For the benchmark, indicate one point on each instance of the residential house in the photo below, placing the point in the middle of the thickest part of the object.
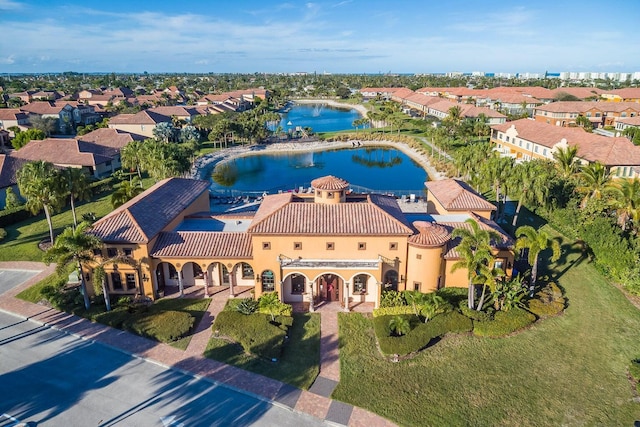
(528, 139)
(9, 167)
(141, 123)
(329, 245)
(10, 117)
(623, 123)
(628, 94)
(565, 113)
(67, 115)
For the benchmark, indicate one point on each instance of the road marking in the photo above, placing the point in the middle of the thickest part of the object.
(169, 421)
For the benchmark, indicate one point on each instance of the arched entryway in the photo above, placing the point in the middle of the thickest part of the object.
(390, 282)
(329, 288)
(166, 275)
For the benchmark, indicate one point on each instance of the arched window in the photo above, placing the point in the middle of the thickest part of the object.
(247, 271)
(297, 283)
(268, 281)
(391, 280)
(360, 284)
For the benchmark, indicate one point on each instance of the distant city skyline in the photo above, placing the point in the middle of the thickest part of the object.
(340, 36)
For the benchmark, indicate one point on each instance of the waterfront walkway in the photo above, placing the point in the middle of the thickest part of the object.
(315, 401)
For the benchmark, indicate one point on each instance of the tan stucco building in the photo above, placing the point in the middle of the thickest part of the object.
(327, 245)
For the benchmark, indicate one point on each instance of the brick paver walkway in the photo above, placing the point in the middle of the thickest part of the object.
(192, 361)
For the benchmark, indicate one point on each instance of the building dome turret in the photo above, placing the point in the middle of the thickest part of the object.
(329, 189)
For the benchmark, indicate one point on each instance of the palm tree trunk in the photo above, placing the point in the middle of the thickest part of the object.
(48, 216)
(481, 302)
(470, 296)
(83, 288)
(534, 272)
(73, 212)
(515, 217)
(105, 293)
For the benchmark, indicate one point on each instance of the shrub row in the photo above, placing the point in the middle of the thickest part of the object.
(421, 333)
(392, 311)
(164, 326)
(504, 323)
(478, 316)
(255, 333)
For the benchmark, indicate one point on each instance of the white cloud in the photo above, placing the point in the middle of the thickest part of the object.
(8, 60)
(10, 5)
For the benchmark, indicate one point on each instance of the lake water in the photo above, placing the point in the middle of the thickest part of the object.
(376, 169)
(320, 118)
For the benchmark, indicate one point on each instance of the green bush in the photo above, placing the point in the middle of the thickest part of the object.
(13, 215)
(478, 316)
(392, 311)
(504, 323)
(549, 301)
(247, 306)
(165, 326)
(255, 333)
(634, 371)
(421, 334)
(114, 318)
(392, 299)
(3, 234)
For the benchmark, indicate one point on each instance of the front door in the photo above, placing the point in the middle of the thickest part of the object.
(330, 287)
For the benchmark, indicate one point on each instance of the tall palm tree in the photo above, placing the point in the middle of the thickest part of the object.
(628, 202)
(536, 242)
(475, 253)
(496, 171)
(596, 181)
(529, 182)
(41, 184)
(132, 156)
(567, 161)
(74, 246)
(78, 188)
(125, 192)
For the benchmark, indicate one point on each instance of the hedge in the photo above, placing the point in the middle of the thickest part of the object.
(255, 333)
(392, 311)
(165, 327)
(478, 316)
(421, 333)
(13, 215)
(504, 323)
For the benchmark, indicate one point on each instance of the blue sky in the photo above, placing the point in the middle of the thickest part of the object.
(339, 36)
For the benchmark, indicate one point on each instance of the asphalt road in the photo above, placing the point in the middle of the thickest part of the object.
(49, 378)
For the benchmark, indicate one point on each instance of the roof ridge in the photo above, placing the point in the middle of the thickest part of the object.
(135, 223)
(409, 229)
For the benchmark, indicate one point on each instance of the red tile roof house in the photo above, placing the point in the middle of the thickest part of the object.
(142, 123)
(526, 139)
(10, 117)
(68, 114)
(565, 113)
(8, 168)
(98, 152)
(623, 123)
(295, 244)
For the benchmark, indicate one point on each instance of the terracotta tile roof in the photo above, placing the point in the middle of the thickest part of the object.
(456, 195)
(144, 117)
(12, 114)
(579, 92)
(584, 106)
(177, 111)
(403, 93)
(471, 111)
(368, 217)
(109, 137)
(42, 108)
(625, 93)
(420, 99)
(65, 151)
(329, 182)
(616, 151)
(429, 235)
(633, 121)
(146, 215)
(8, 167)
(202, 244)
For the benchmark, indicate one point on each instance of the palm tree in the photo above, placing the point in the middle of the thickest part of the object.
(132, 156)
(628, 202)
(596, 181)
(127, 191)
(567, 161)
(475, 252)
(536, 242)
(399, 325)
(529, 181)
(41, 184)
(78, 188)
(74, 246)
(496, 171)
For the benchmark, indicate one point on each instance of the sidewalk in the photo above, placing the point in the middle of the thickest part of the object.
(192, 361)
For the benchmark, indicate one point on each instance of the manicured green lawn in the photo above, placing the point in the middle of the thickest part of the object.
(300, 361)
(567, 370)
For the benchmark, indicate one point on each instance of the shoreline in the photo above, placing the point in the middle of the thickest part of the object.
(333, 103)
(208, 161)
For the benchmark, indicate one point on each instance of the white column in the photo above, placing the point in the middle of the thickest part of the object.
(180, 285)
(311, 307)
(206, 284)
(346, 296)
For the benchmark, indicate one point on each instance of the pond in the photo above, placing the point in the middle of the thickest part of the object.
(319, 117)
(367, 169)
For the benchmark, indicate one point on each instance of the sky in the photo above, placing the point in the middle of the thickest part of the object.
(337, 36)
